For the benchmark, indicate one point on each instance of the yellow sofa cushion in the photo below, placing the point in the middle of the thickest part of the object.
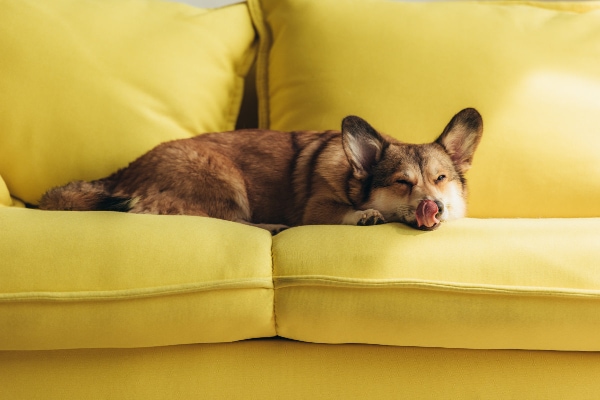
(93, 280)
(86, 86)
(479, 284)
(530, 68)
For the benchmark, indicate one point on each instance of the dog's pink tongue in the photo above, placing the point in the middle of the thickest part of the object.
(426, 212)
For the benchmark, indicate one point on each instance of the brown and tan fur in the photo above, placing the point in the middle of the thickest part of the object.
(275, 180)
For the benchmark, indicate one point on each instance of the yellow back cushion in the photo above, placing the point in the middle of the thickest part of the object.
(531, 69)
(86, 86)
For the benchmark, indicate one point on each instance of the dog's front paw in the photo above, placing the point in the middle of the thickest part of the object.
(370, 217)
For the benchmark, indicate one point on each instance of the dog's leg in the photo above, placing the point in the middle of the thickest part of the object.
(165, 204)
(335, 213)
(364, 217)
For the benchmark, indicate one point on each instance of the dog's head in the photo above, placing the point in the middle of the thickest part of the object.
(420, 185)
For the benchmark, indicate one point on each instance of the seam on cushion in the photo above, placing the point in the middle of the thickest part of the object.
(262, 63)
(235, 101)
(273, 280)
(356, 283)
(241, 71)
(249, 56)
(568, 6)
(125, 294)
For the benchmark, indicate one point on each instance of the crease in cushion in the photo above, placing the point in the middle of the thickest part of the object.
(99, 279)
(492, 284)
(86, 86)
(407, 67)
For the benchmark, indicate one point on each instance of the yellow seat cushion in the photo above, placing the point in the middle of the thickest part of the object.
(94, 280)
(530, 68)
(86, 86)
(474, 283)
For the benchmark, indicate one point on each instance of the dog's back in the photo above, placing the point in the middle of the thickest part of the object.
(252, 175)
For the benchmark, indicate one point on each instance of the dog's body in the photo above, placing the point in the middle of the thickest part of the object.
(279, 179)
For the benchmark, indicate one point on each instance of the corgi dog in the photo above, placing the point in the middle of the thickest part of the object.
(275, 180)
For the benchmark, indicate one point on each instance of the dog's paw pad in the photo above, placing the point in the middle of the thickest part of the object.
(371, 217)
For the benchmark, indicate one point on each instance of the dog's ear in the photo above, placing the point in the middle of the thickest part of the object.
(461, 137)
(363, 145)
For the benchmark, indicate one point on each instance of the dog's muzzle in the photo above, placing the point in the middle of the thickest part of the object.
(429, 214)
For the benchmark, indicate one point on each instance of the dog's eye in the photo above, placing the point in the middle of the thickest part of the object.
(441, 178)
(404, 182)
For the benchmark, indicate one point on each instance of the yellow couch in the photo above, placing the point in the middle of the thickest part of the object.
(502, 304)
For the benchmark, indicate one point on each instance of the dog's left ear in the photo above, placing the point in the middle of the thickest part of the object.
(363, 145)
(461, 137)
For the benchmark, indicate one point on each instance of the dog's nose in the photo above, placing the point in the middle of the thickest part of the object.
(440, 206)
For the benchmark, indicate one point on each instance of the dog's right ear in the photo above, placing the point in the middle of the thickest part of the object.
(363, 145)
(461, 137)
